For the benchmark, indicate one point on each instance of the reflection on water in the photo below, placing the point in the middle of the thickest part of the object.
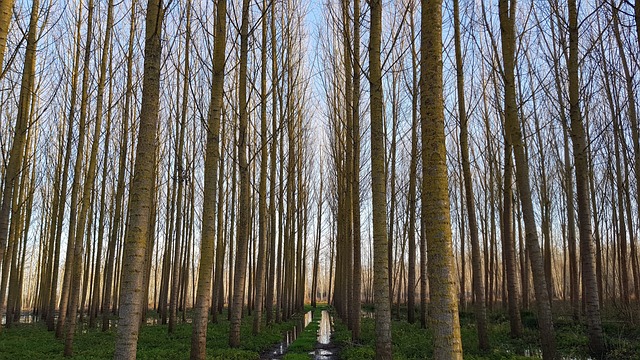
(325, 350)
(367, 314)
(278, 351)
(536, 353)
(324, 333)
(25, 318)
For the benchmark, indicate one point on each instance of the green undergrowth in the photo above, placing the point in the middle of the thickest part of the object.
(410, 341)
(306, 340)
(33, 341)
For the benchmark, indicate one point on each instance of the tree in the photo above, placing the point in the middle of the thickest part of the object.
(378, 189)
(579, 140)
(264, 159)
(478, 289)
(6, 12)
(135, 245)
(10, 190)
(435, 196)
(203, 297)
(355, 181)
(89, 180)
(242, 239)
(513, 132)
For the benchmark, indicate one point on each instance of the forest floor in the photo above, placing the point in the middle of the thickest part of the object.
(621, 328)
(33, 341)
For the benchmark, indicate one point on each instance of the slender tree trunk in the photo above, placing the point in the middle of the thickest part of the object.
(579, 139)
(243, 203)
(478, 289)
(179, 177)
(218, 280)
(435, 196)
(132, 301)
(203, 297)
(514, 136)
(316, 247)
(356, 297)
(120, 187)
(633, 120)
(6, 13)
(16, 154)
(262, 202)
(413, 169)
(272, 170)
(379, 191)
(508, 245)
(90, 176)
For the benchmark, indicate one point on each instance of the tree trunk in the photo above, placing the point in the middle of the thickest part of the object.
(203, 297)
(16, 154)
(243, 203)
(356, 296)
(131, 297)
(435, 195)
(6, 13)
(379, 191)
(514, 136)
(478, 289)
(579, 139)
(413, 169)
(262, 202)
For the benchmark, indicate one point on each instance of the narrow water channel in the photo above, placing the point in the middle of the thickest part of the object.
(325, 349)
(278, 351)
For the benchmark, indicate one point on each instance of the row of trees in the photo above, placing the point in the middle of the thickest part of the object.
(498, 122)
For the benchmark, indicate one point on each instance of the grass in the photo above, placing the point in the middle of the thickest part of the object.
(412, 342)
(33, 341)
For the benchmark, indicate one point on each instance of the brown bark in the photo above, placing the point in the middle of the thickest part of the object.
(131, 301)
(11, 189)
(579, 139)
(379, 192)
(514, 136)
(203, 297)
(478, 289)
(243, 202)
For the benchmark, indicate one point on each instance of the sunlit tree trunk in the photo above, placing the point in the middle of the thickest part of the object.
(131, 296)
(435, 196)
(16, 154)
(6, 12)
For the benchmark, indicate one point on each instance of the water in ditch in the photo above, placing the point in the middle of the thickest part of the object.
(278, 351)
(325, 348)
